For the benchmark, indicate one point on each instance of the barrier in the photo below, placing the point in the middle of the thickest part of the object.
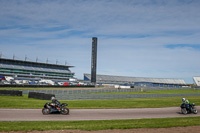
(11, 92)
(41, 96)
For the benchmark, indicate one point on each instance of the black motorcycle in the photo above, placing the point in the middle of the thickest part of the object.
(52, 108)
(187, 108)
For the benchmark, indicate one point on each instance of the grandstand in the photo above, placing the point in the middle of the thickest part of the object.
(34, 70)
(137, 81)
(197, 80)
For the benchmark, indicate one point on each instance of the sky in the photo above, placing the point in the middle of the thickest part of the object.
(136, 38)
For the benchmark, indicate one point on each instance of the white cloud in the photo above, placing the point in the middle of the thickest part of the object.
(132, 35)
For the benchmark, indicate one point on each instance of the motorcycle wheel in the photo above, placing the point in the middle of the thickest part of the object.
(65, 111)
(195, 111)
(45, 111)
(184, 111)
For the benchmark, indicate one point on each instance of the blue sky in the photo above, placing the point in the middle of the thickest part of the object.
(137, 38)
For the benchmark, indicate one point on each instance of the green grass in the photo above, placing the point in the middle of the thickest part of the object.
(25, 102)
(21, 102)
(99, 124)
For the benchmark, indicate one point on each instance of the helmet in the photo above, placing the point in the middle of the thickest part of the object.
(52, 98)
(183, 99)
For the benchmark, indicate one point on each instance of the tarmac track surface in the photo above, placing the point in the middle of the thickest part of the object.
(92, 114)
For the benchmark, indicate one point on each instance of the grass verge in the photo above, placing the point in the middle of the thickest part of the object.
(25, 102)
(99, 124)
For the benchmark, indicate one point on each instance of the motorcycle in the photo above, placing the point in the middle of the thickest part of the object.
(51, 108)
(187, 108)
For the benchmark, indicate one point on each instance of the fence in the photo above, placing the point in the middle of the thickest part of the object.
(119, 96)
(11, 92)
(90, 94)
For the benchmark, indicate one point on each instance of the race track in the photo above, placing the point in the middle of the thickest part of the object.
(92, 114)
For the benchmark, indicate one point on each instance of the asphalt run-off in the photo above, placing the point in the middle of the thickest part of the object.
(92, 114)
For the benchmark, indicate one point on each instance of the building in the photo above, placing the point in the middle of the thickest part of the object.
(34, 70)
(197, 80)
(137, 81)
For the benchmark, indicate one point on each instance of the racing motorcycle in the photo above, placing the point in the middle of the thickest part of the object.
(52, 108)
(187, 108)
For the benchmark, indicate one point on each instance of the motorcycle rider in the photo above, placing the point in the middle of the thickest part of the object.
(187, 103)
(54, 100)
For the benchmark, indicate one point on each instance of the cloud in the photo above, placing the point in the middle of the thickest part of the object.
(182, 46)
(102, 15)
(135, 38)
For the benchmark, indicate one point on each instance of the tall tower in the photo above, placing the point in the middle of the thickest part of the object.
(94, 60)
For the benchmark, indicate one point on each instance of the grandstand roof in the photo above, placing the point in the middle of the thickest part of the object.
(197, 80)
(33, 63)
(123, 79)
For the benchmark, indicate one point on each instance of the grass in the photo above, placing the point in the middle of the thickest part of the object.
(21, 102)
(25, 102)
(99, 124)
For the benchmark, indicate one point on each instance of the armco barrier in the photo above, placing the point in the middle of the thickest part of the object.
(41, 96)
(11, 92)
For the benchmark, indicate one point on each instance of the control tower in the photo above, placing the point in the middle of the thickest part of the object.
(94, 60)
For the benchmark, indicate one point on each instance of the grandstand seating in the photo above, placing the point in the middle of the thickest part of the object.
(123, 79)
(33, 69)
(197, 80)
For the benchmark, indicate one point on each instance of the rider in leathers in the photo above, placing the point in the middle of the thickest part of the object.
(187, 103)
(54, 100)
